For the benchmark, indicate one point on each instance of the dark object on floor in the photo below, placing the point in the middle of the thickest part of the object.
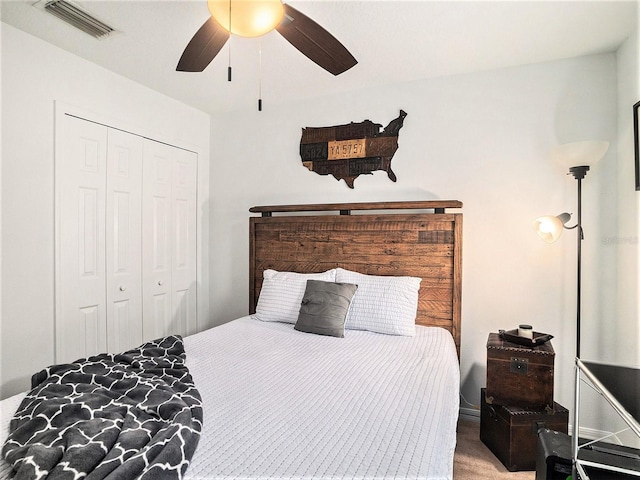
(511, 432)
(553, 461)
(554, 455)
(618, 456)
(519, 376)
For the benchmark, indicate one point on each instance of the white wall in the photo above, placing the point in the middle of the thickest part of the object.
(625, 239)
(621, 338)
(484, 139)
(34, 76)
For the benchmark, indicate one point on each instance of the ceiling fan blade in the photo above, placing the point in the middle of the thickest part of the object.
(203, 47)
(315, 42)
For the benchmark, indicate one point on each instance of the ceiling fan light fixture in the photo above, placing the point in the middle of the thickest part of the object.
(249, 18)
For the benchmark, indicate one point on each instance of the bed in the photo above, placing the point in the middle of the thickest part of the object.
(282, 403)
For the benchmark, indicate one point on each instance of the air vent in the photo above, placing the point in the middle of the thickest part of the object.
(78, 17)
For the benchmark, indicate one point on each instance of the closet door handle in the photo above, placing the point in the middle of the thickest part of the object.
(160, 282)
(122, 288)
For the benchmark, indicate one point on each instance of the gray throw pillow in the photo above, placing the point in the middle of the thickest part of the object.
(324, 307)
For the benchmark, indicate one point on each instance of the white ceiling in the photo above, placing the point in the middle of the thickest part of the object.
(394, 41)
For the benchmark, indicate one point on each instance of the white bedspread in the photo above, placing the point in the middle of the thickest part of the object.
(281, 404)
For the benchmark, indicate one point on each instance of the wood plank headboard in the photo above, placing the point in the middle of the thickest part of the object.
(420, 239)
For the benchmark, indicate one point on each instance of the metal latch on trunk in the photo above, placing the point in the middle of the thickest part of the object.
(519, 365)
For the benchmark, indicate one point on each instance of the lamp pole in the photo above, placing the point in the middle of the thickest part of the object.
(579, 173)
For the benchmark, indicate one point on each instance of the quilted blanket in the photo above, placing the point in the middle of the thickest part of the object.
(132, 415)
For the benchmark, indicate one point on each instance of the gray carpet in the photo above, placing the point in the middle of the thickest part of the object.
(473, 460)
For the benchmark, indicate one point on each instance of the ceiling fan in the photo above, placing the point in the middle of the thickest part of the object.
(252, 18)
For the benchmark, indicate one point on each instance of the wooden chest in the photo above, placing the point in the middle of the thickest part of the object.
(511, 433)
(519, 376)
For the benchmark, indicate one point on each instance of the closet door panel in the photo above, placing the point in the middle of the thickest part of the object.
(184, 254)
(80, 261)
(157, 242)
(124, 241)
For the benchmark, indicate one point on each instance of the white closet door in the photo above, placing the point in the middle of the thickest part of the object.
(168, 240)
(80, 261)
(124, 241)
(184, 243)
(156, 239)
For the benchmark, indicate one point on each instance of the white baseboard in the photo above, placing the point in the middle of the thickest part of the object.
(593, 434)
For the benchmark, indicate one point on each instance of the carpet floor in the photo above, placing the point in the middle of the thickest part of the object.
(473, 460)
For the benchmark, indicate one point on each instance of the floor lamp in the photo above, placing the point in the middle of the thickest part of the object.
(582, 155)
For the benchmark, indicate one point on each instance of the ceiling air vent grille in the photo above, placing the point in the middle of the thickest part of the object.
(74, 15)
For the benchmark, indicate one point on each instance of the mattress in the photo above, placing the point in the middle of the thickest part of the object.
(282, 404)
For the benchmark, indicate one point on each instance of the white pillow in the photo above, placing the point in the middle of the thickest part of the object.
(382, 304)
(281, 294)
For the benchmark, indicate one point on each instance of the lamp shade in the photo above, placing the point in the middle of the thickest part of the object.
(586, 153)
(249, 18)
(549, 228)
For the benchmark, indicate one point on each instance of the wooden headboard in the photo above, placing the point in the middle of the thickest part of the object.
(418, 239)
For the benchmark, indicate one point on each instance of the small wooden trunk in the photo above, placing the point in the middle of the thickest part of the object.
(519, 376)
(511, 433)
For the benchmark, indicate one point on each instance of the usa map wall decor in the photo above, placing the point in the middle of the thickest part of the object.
(348, 151)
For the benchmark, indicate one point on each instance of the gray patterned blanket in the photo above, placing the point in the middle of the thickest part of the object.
(133, 415)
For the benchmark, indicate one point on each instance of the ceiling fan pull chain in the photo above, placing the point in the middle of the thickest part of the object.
(260, 75)
(229, 67)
